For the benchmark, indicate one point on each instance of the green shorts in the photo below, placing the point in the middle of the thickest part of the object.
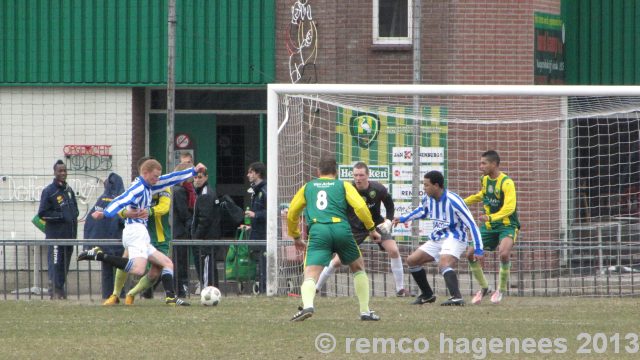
(326, 239)
(164, 247)
(491, 237)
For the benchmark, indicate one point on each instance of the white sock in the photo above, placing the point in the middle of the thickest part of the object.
(398, 272)
(326, 272)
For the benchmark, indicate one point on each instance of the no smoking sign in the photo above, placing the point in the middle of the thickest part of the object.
(183, 141)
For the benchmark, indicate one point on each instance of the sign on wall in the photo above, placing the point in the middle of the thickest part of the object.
(548, 49)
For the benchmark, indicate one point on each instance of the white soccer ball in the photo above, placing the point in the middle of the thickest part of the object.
(385, 226)
(210, 296)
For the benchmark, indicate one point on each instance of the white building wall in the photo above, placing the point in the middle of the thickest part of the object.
(35, 125)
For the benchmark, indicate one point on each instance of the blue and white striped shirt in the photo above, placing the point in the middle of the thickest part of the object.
(450, 216)
(138, 196)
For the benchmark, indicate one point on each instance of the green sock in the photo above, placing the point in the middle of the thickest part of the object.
(477, 272)
(504, 275)
(308, 292)
(118, 283)
(361, 284)
(141, 286)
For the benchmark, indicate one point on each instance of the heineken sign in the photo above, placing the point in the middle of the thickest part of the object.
(376, 172)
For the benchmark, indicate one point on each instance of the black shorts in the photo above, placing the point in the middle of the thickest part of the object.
(362, 234)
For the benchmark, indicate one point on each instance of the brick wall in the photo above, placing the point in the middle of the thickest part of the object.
(463, 42)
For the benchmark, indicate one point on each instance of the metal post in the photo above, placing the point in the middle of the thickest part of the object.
(417, 79)
(171, 83)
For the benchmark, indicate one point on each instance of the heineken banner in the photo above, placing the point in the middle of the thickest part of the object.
(385, 144)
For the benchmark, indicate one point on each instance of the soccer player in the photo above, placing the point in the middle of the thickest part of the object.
(500, 223)
(373, 193)
(160, 236)
(447, 241)
(326, 200)
(133, 205)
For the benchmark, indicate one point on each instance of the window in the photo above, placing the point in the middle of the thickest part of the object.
(392, 21)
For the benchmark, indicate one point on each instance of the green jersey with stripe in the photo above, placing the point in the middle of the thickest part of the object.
(326, 201)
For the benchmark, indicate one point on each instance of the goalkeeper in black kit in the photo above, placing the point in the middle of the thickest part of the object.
(374, 194)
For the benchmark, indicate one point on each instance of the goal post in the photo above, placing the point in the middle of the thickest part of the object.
(577, 223)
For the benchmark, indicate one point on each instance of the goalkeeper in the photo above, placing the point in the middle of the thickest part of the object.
(374, 194)
(500, 223)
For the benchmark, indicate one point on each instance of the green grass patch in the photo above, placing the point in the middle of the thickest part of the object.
(259, 328)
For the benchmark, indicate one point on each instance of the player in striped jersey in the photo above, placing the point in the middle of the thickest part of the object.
(500, 224)
(133, 205)
(325, 201)
(448, 240)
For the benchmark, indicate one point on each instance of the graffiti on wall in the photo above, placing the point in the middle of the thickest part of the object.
(28, 188)
(88, 157)
(302, 43)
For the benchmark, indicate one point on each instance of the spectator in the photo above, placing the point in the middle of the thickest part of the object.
(206, 226)
(58, 207)
(107, 229)
(257, 175)
(182, 218)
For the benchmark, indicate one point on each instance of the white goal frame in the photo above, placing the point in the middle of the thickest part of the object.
(274, 90)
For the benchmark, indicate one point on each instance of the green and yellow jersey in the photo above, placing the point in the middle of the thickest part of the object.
(325, 201)
(498, 197)
(159, 228)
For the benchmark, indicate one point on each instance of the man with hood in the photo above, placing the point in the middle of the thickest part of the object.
(110, 228)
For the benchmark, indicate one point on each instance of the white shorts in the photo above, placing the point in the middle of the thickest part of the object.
(447, 246)
(135, 238)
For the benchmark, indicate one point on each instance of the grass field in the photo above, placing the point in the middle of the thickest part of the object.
(259, 328)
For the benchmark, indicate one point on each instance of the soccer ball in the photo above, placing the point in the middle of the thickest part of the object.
(210, 296)
(385, 227)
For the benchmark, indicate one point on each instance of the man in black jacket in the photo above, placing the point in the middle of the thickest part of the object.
(206, 226)
(257, 175)
(58, 207)
(182, 218)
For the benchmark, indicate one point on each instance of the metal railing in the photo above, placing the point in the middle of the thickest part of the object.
(538, 269)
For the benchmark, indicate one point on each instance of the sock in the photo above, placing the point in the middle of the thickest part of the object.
(324, 275)
(420, 276)
(398, 272)
(118, 282)
(451, 279)
(504, 275)
(308, 292)
(141, 286)
(361, 284)
(477, 272)
(117, 261)
(167, 282)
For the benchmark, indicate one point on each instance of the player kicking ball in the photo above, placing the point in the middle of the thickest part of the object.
(133, 206)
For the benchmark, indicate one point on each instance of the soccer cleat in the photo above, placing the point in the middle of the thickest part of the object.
(129, 299)
(174, 301)
(403, 293)
(90, 254)
(303, 314)
(453, 302)
(148, 293)
(111, 300)
(423, 299)
(369, 316)
(479, 295)
(496, 297)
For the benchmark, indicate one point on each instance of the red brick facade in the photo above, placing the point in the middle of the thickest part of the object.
(463, 42)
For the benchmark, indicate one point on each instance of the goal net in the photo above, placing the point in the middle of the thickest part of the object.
(572, 153)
